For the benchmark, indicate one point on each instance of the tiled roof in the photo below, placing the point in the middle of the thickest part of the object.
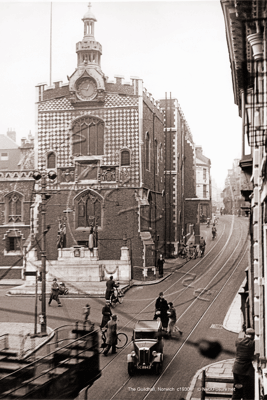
(7, 143)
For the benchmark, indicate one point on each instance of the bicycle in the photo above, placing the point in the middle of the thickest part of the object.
(122, 340)
(182, 252)
(192, 252)
(116, 296)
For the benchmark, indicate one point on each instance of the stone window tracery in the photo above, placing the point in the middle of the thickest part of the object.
(88, 210)
(14, 208)
(88, 136)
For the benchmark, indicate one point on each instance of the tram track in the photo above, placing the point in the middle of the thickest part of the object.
(213, 281)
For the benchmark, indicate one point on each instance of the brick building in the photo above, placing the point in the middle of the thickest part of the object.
(16, 198)
(181, 202)
(246, 34)
(105, 140)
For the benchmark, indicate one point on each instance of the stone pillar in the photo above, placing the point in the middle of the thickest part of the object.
(125, 253)
(95, 253)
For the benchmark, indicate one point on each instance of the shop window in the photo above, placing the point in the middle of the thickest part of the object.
(51, 160)
(88, 137)
(125, 158)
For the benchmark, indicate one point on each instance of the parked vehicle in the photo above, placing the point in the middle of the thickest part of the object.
(147, 347)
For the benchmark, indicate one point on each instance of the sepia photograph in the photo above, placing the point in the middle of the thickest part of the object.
(133, 200)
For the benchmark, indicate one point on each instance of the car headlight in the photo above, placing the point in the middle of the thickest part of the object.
(154, 353)
(132, 354)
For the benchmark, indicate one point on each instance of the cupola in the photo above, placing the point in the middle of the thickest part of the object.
(89, 51)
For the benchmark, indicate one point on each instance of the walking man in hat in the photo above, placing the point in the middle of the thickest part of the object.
(54, 293)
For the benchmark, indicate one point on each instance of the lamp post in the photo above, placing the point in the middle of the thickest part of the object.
(37, 176)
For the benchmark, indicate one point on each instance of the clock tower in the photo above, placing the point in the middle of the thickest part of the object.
(87, 83)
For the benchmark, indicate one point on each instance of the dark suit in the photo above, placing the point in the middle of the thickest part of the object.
(243, 369)
(110, 288)
(162, 306)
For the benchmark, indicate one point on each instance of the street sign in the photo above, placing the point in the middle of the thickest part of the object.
(30, 273)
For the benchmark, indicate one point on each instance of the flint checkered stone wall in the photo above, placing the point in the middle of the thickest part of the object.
(120, 115)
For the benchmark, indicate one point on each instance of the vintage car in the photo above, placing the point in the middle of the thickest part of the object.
(147, 347)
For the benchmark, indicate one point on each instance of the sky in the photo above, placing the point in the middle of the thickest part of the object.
(177, 47)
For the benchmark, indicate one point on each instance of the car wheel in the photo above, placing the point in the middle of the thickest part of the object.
(131, 368)
(158, 368)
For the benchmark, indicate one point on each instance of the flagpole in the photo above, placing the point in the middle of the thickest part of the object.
(50, 80)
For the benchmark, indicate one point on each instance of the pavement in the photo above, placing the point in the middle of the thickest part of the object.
(21, 287)
(221, 369)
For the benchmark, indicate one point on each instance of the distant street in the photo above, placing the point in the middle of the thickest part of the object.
(202, 291)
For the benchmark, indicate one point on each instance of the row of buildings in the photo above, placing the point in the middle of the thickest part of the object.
(130, 182)
(233, 201)
(246, 35)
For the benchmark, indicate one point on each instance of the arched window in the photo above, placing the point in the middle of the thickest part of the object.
(51, 160)
(147, 152)
(160, 153)
(156, 158)
(89, 210)
(88, 136)
(14, 207)
(125, 158)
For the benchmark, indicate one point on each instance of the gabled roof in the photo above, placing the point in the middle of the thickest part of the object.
(6, 143)
(203, 162)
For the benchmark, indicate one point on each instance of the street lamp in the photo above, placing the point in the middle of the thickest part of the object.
(42, 176)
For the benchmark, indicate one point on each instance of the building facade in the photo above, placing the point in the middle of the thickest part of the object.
(105, 141)
(246, 34)
(16, 199)
(181, 202)
(203, 184)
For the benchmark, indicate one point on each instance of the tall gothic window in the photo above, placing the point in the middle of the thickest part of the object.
(147, 151)
(51, 160)
(156, 159)
(125, 158)
(89, 210)
(88, 136)
(14, 207)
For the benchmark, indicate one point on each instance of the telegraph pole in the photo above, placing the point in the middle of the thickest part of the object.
(43, 254)
(44, 229)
